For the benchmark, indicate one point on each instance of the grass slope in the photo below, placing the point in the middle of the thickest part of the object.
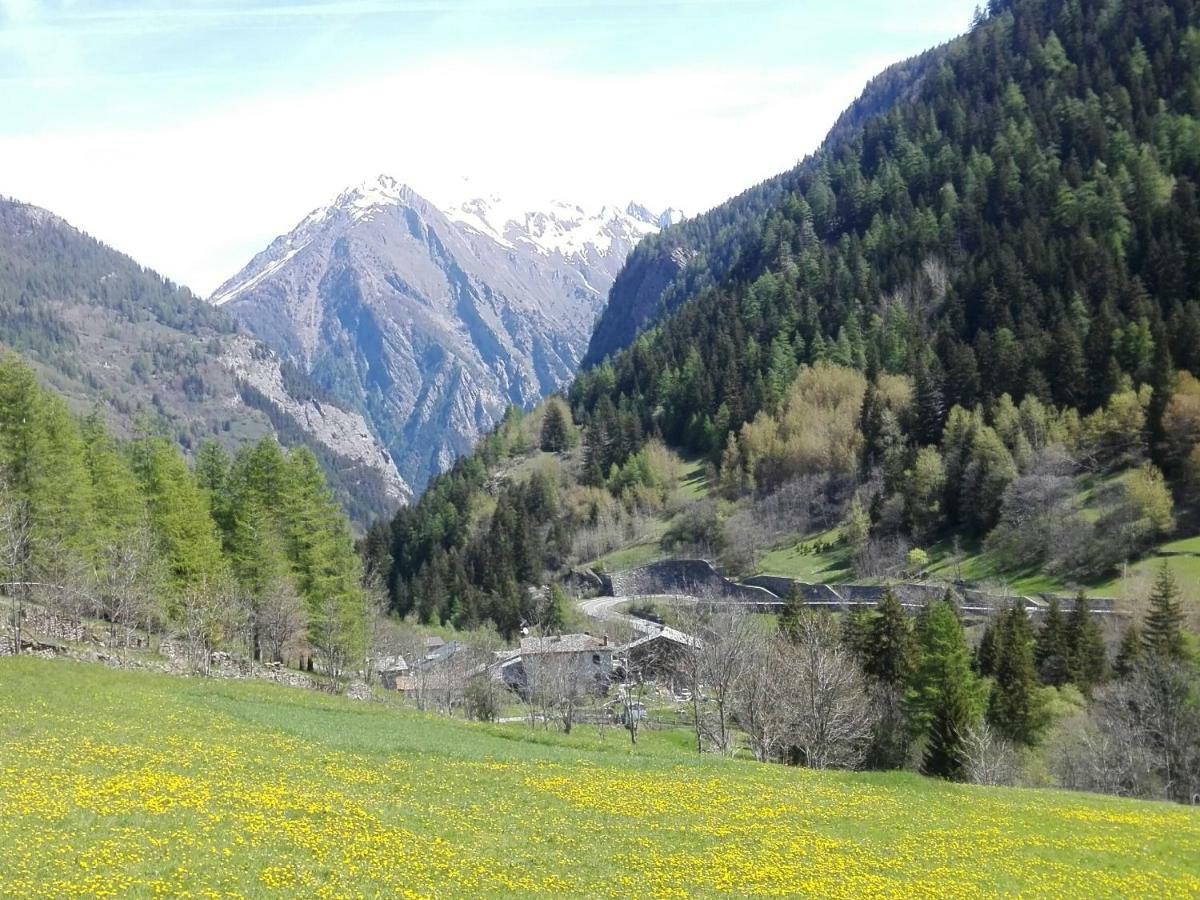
(131, 783)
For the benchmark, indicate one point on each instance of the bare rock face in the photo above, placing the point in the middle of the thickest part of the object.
(345, 434)
(431, 321)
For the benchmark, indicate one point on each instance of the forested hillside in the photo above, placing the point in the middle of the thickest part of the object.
(1018, 245)
(251, 551)
(968, 321)
(958, 346)
(1026, 226)
(112, 336)
(669, 268)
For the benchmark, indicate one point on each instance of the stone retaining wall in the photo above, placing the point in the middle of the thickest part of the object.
(698, 577)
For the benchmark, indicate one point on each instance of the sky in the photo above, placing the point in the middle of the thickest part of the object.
(190, 134)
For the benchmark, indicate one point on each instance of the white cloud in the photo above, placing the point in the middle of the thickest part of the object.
(196, 200)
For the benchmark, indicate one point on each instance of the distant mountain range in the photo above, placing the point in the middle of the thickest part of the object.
(113, 336)
(430, 320)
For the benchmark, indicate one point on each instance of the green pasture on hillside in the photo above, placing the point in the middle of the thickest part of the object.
(139, 784)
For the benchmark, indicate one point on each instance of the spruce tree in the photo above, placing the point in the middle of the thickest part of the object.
(929, 403)
(793, 611)
(1051, 652)
(952, 719)
(1129, 653)
(856, 633)
(1014, 707)
(888, 654)
(944, 699)
(1085, 646)
(985, 653)
(1163, 632)
(555, 436)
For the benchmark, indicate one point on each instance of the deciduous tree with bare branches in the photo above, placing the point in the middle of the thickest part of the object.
(831, 727)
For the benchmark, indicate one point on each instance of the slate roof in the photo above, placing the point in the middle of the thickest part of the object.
(391, 664)
(567, 643)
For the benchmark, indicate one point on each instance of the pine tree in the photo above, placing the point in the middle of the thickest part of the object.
(1015, 708)
(1052, 652)
(1163, 632)
(889, 649)
(1085, 646)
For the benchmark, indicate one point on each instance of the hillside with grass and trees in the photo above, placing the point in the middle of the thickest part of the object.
(115, 338)
(249, 553)
(869, 532)
(957, 345)
(957, 340)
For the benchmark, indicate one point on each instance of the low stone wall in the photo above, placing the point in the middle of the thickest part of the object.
(699, 578)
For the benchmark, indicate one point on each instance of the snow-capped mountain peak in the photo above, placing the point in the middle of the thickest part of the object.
(434, 314)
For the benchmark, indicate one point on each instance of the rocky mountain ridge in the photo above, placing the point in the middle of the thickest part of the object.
(431, 319)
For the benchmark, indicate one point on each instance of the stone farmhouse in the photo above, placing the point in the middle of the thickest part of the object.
(585, 660)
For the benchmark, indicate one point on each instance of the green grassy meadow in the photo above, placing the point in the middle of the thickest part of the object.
(136, 784)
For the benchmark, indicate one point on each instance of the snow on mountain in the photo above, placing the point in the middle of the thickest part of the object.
(557, 227)
(548, 227)
(431, 318)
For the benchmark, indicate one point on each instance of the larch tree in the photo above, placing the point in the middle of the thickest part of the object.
(185, 531)
(945, 698)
